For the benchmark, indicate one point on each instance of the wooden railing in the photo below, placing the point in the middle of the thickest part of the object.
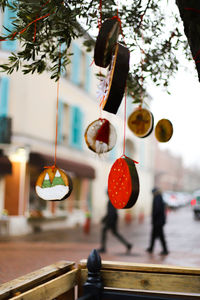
(106, 280)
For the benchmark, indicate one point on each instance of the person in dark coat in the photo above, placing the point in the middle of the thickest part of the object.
(158, 221)
(110, 221)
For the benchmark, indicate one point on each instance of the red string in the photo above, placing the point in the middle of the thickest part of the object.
(136, 162)
(124, 143)
(57, 101)
(120, 25)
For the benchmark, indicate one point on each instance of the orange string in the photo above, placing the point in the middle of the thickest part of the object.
(124, 143)
(57, 101)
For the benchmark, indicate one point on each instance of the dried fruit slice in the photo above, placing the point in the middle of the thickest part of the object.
(141, 122)
(53, 184)
(123, 183)
(164, 130)
(118, 74)
(100, 136)
(106, 42)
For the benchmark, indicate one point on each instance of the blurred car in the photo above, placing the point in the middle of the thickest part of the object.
(176, 199)
(195, 202)
(170, 199)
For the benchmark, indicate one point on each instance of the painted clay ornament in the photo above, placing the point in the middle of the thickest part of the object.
(100, 136)
(123, 183)
(164, 130)
(106, 42)
(53, 184)
(141, 122)
(116, 78)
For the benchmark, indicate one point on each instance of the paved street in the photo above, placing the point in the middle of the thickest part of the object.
(21, 255)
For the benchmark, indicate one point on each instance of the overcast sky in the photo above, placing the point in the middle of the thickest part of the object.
(182, 107)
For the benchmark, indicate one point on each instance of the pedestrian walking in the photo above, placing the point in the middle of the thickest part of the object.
(158, 222)
(110, 222)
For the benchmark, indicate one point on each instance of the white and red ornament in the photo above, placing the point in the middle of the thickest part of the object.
(100, 136)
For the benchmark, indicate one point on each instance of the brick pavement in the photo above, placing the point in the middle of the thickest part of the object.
(21, 255)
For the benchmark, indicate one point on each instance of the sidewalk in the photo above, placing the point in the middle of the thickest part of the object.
(21, 255)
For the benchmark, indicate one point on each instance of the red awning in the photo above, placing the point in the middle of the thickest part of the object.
(5, 165)
(81, 170)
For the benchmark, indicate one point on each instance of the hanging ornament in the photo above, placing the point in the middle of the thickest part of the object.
(53, 184)
(123, 183)
(100, 136)
(116, 79)
(164, 130)
(141, 122)
(106, 42)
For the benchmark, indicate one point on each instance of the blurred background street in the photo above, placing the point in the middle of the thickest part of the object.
(21, 255)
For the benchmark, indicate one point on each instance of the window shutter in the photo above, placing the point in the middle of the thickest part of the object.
(60, 122)
(4, 94)
(62, 49)
(88, 73)
(76, 62)
(76, 125)
(10, 45)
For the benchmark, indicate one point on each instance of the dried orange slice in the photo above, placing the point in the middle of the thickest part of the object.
(100, 136)
(53, 184)
(163, 130)
(141, 122)
(123, 183)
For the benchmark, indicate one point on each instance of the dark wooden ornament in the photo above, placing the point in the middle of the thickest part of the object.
(106, 42)
(118, 75)
(163, 130)
(123, 183)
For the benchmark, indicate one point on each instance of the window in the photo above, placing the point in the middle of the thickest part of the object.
(4, 96)
(76, 127)
(9, 45)
(80, 69)
(63, 122)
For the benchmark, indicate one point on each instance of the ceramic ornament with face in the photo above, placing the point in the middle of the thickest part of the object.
(100, 136)
(53, 184)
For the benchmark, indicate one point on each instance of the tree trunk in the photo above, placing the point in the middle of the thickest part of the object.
(190, 15)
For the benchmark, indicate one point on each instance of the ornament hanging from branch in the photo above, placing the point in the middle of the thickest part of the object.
(106, 42)
(123, 183)
(100, 136)
(141, 122)
(163, 130)
(53, 184)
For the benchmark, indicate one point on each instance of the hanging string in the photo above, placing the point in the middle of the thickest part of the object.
(124, 143)
(57, 103)
(142, 63)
